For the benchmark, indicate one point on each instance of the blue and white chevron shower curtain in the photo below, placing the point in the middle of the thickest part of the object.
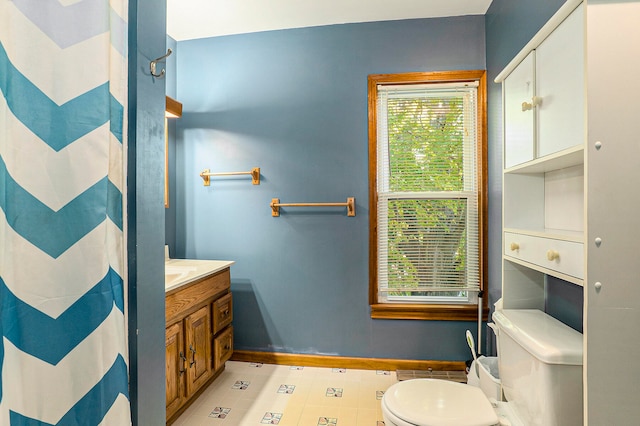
(63, 97)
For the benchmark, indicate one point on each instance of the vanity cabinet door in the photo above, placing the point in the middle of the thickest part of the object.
(175, 368)
(198, 348)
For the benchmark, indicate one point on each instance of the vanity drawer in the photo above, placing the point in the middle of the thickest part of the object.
(189, 297)
(222, 348)
(566, 257)
(222, 313)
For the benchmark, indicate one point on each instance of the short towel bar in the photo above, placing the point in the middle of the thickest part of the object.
(255, 175)
(350, 205)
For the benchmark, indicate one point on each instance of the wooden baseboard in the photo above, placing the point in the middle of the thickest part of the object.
(345, 362)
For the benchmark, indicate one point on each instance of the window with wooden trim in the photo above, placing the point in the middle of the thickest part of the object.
(427, 194)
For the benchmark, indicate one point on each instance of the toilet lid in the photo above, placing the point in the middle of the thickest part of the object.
(428, 402)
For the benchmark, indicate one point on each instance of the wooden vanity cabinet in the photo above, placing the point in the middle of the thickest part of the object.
(199, 338)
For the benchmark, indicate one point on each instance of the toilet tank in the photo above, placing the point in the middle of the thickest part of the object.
(540, 361)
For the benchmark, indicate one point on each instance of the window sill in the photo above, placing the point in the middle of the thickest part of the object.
(427, 312)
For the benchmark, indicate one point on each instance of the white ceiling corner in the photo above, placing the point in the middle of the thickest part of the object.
(192, 19)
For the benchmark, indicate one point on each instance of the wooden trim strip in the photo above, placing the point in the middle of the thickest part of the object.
(429, 312)
(346, 362)
(372, 99)
(173, 107)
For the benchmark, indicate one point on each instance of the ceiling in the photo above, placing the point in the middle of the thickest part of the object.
(191, 19)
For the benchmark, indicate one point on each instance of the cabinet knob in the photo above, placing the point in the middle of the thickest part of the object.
(535, 101)
(514, 246)
(553, 255)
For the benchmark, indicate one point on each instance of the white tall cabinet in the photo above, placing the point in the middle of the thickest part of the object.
(571, 203)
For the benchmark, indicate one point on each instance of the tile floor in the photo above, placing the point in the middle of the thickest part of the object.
(259, 394)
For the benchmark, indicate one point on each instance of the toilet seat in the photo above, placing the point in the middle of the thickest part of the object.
(433, 402)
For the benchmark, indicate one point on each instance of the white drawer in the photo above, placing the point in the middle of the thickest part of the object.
(566, 257)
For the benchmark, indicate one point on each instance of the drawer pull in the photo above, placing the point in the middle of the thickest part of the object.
(224, 313)
(184, 359)
(193, 356)
(553, 255)
(514, 246)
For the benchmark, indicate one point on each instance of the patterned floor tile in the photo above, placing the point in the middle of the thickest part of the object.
(256, 393)
(241, 385)
(286, 389)
(271, 418)
(220, 413)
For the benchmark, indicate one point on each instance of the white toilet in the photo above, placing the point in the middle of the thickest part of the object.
(540, 361)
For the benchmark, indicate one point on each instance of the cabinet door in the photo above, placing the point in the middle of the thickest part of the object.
(519, 139)
(175, 368)
(198, 347)
(560, 86)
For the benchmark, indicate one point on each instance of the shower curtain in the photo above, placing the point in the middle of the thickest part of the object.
(63, 87)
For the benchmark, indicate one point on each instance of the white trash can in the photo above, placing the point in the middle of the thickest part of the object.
(489, 376)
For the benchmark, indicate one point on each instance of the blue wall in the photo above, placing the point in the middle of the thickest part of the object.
(510, 24)
(294, 103)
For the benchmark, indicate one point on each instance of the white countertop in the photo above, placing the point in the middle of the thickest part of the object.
(178, 272)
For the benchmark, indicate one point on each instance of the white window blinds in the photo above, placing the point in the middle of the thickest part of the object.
(428, 243)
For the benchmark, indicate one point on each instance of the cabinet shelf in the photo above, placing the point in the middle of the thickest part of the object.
(546, 203)
(546, 271)
(560, 160)
(553, 234)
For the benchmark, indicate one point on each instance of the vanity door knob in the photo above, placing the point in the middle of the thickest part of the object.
(553, 255)
(514, 246)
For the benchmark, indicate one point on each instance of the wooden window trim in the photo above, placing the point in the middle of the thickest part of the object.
(426, 311)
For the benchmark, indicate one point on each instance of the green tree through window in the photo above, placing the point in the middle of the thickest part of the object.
(425, 137)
